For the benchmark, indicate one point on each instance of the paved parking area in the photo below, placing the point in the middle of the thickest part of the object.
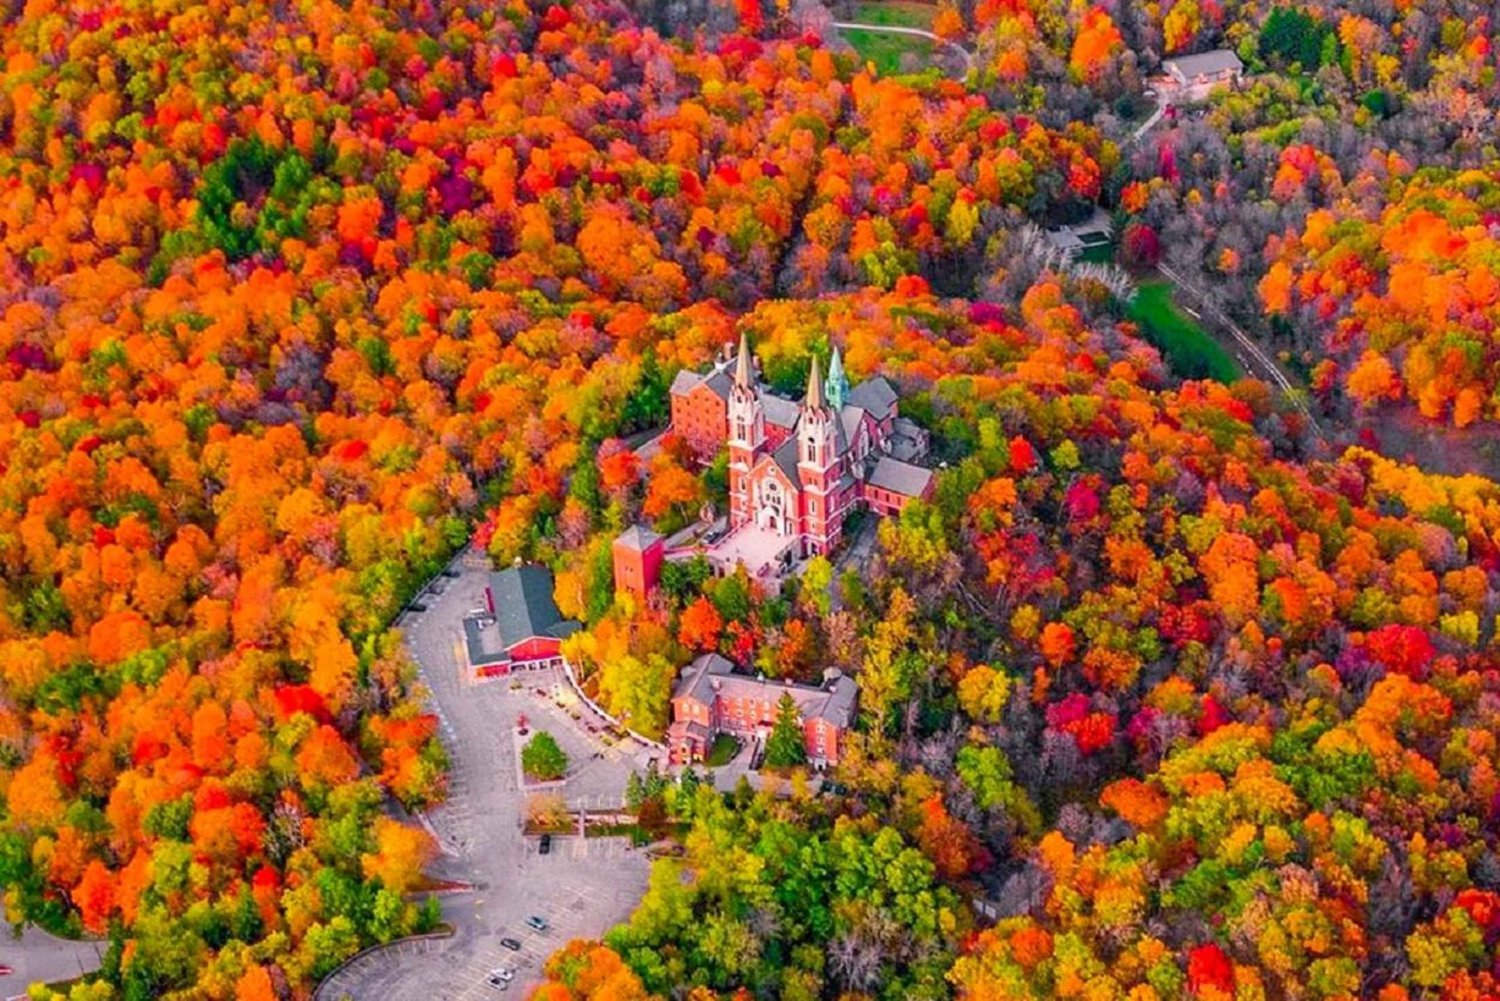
(581, 888)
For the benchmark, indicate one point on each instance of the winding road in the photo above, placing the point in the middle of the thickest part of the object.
(581, 887)
(1253, 352)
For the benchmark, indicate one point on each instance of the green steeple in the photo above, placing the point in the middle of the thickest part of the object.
(836, 386)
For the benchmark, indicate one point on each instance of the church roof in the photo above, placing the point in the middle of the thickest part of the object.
(874, 395)
(786, 458)
(779, 411)
(849, 419)
(900, 477)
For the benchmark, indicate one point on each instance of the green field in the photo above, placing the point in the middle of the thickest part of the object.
(894, 12)
(884, 50)
(1187, 348)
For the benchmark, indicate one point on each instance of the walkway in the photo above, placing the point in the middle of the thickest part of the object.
(893, 29)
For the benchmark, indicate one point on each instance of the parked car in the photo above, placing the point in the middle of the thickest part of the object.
(497, 982)
(545, 846)
(540, 924)
(451, 571)
(504, 973)
(513, 944)
(417, 606)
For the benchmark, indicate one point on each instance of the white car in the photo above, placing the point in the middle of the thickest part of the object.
(504, 973)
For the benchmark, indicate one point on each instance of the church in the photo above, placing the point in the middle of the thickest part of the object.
(797, 471)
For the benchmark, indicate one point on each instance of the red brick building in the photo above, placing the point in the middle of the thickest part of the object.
(700, 409)
(638, 554)
(711, 698)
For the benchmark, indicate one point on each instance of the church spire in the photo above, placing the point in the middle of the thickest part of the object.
(742, 363)
(814, 387)
(837, 385)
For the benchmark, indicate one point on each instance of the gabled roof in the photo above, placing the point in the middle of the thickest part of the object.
(696, 679)
(900, 477)
(686, 380)
(786, 458)
(850, 418)
(1213, 61)
(779, 411)
(524, 608)
(833, 701)
(874, 395)
(481, 650)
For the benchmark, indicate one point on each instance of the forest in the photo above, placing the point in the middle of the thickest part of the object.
(1162, 695)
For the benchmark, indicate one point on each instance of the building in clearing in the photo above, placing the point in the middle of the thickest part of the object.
(711, 698)
(1195, 76)
(523, 629)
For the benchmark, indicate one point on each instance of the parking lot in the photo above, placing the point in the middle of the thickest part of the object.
(581, 887)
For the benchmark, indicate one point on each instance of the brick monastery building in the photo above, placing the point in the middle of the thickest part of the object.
(711, 698)
(796, 470)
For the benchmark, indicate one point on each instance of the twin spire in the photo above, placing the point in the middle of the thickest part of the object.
(818, 394)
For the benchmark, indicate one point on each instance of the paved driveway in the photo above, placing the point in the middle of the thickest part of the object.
(581, 888)
(38, 956)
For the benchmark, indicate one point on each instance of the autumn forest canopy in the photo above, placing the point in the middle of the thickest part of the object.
(1191, 687)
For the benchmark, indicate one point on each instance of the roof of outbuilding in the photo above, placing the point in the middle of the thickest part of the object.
(638, 537)
(1213, 61)
(524, 608)
(481, 653)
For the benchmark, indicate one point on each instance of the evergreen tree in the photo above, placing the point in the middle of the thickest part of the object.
(543, 759)
(784, 747)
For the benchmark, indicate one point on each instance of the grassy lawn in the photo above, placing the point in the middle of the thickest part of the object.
(1187, 348)
(884, 50)
(724, 749)
(895, 12)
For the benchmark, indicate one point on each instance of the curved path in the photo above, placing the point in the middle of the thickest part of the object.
(582, 887)
(1257, 355)
(896, 29)
(37, 956)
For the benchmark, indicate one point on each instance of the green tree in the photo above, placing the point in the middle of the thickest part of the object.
(543, 759)
(785, 747)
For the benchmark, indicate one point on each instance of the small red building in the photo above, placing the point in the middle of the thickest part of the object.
(638, 554)
(711, 698)
(524, 629)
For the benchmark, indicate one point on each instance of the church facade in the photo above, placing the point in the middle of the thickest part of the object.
(799, 475)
